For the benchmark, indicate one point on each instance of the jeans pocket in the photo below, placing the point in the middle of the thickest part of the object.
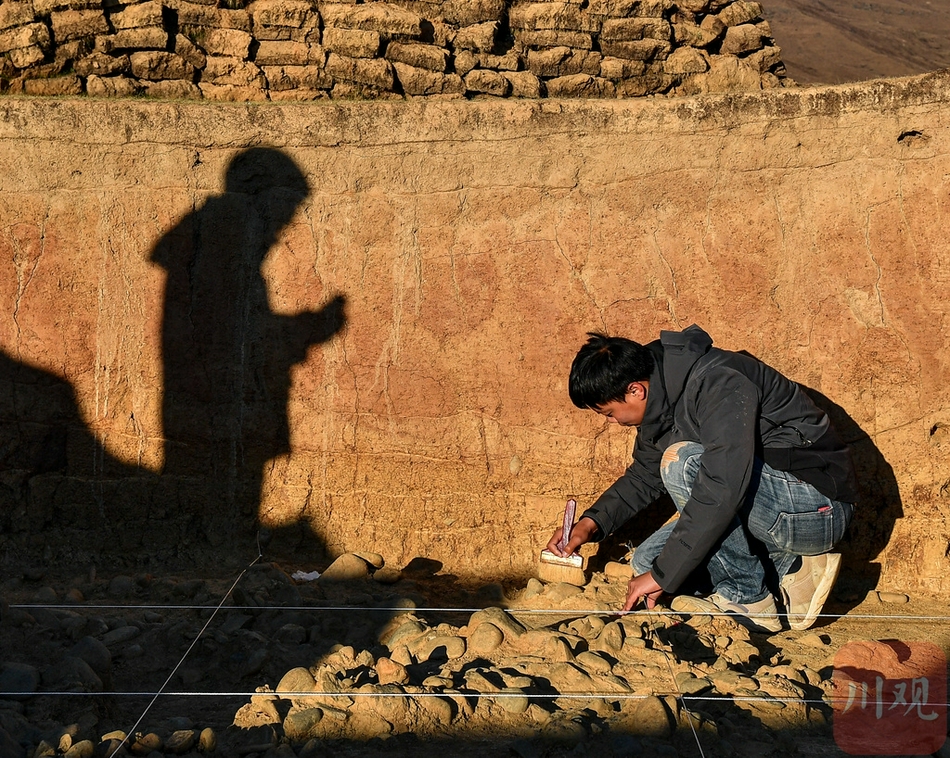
(810, 533)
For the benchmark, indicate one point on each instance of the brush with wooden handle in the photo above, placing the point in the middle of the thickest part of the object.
(568, 568)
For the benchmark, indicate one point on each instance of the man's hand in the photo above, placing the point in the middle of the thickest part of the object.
(644, 586)
(581, 534)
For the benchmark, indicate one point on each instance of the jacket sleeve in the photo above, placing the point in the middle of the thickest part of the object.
(725, 405)
(637, 488)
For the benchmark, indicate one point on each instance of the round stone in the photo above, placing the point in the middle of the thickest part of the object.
(486, 638)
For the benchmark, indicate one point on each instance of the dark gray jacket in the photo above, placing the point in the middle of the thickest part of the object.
(737, 408)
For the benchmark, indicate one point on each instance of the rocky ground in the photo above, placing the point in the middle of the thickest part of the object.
(368, 660)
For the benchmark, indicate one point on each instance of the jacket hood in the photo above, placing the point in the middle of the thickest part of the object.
(681, 350)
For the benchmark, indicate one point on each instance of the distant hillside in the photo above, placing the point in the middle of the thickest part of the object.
(853, 40)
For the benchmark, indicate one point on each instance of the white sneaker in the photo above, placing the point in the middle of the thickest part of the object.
(806, 590)
(759, 617)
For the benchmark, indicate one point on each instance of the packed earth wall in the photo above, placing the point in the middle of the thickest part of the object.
(351, 323)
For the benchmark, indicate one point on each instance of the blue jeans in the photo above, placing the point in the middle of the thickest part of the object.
(782, 514)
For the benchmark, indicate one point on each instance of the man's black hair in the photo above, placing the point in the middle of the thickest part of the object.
(604, 367)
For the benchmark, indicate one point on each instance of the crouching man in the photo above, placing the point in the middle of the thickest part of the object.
(753, 466)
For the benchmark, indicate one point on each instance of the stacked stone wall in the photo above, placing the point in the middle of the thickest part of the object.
(303, 50)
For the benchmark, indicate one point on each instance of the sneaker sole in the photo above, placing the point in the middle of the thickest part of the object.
(828, 579)
(697, 605)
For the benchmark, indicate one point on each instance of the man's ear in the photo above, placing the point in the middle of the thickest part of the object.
(637, 390)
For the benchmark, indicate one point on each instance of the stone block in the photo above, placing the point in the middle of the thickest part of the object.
(742, 39)
(629, 29)
(465, 61)
(135, 16)
(627, 8)
(616, 69)
(356, 91)
(16, 14)
(231, 93)
(230, 43)
(428, 57)
(636, 50)
(355, 43)
(469, 12)
(111, 86)
(24, 57)
(439, 33)
(374, 17)
(101, 65)
(424, 81)
(229, 70)
(292, 14)
(70, 51)
(309, 33)
(563, 61)
(311, 77)
(171, 89)
(288, 53)
(524, 84)
(193, 14)
(479, 37)
(190, 51)
(554, 38)
(693, 6)
(728, 74)
(373, 72)
(487, 82)
(59, 85)
(686, 60)
(31, 35)
(558, 16)
(156, 65)
(713, 25)
(649, 83)
(147, 38)
(740, 12)
(693, 35)
(580, 85)
(46, 7)
(766, 58)
(510, 61)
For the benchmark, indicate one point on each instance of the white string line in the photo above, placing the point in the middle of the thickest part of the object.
(669, 663)
(404, 609)
(227, 594)
(457, 693)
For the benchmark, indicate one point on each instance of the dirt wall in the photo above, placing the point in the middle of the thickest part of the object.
(354, 321)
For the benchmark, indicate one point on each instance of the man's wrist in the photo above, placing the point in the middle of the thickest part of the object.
(595, 533)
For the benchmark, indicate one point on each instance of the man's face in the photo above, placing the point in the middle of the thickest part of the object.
(629, 411)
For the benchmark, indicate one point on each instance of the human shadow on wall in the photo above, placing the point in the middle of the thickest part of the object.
(62, 495)
(226, 356)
